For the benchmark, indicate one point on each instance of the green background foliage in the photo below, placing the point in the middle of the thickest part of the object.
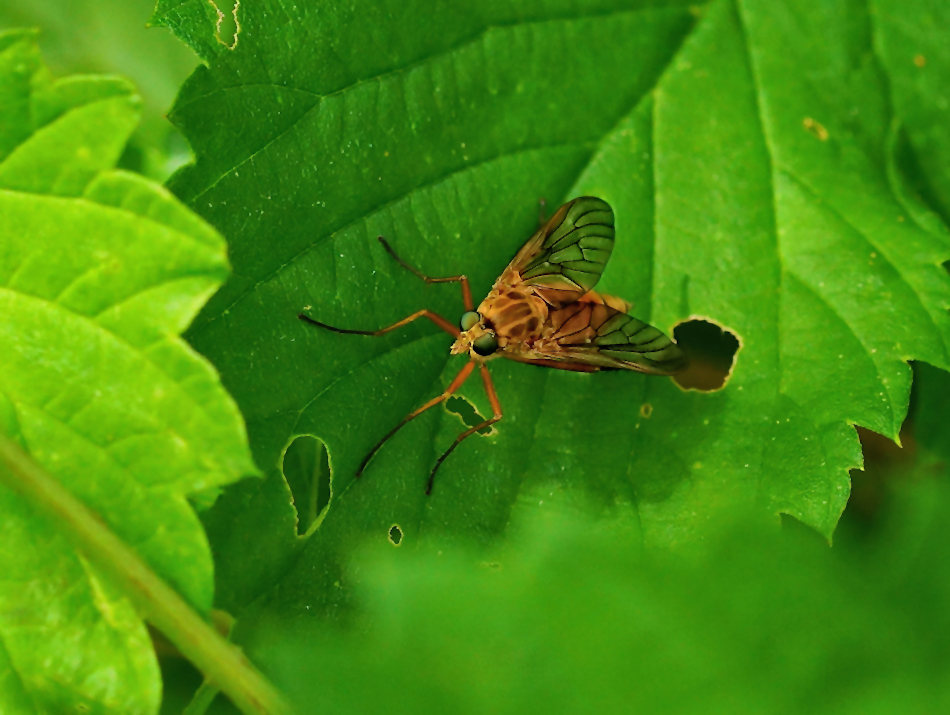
(110, 36)
(778, 169)
(569, 617)
(100, 272)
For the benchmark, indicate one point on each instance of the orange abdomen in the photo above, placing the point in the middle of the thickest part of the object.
(515, 315)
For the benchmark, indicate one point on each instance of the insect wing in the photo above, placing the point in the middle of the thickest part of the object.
(639, 346)
(567, 256)
(595, 334)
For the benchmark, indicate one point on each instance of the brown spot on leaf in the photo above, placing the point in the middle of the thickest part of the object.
(816, 129)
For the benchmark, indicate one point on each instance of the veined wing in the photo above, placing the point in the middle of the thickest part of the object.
(566, 257)
(595, 334)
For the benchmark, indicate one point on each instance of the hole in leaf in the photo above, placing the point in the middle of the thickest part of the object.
(395, 535)
(646, 409)
(712, 353)
(466, 412)
(226, 27)
(307, 471)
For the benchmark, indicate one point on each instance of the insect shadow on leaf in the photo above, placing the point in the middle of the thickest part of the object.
(542, 310)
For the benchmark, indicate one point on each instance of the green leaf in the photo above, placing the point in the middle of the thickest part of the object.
(100, 272)
(106, 36)
(908, 37)
(569, 618)
(750, 152)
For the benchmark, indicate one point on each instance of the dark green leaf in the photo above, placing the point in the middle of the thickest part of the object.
(750, 153)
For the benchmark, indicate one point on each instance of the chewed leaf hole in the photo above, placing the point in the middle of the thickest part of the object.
(226, 27)
(395, 535)
(712, 353)
(307, 471)
(466, 412)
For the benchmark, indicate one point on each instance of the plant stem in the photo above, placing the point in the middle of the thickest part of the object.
(202, 700)
(221, 662)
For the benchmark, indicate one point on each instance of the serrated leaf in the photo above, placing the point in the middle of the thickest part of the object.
(100, 272)
(749, 155)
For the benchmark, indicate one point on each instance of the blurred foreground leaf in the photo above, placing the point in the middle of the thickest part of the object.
(570, 618)
(100, 271)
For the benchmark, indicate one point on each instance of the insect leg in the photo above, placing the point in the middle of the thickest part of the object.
(466, 291)
(456, 384)
(496, 409)
(434, 317)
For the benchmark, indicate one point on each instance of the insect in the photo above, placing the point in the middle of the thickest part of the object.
(543, 311)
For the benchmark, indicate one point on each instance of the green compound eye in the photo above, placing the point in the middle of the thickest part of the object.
(469, 320)
(485, 345)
